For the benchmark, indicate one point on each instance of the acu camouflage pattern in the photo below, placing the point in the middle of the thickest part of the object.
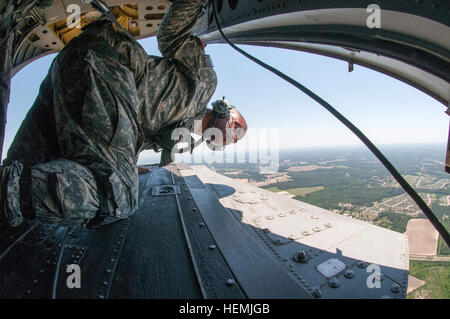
(10, 177)
(102, 102)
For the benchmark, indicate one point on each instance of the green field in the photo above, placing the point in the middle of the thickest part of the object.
(393, 221)
(443, 249)
(437, 278)
(301, 191)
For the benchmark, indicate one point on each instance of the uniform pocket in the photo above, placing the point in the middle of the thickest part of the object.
(64, 192)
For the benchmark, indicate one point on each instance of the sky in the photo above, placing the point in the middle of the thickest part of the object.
(385, 109)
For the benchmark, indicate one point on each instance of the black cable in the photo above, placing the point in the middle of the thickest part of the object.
(101, 7)
(411, 192)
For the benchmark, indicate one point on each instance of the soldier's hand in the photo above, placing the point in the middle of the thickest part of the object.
(143, 169)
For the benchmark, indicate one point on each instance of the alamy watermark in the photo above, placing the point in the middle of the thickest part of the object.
(260, 146)
(74, 18)
(374, 19)
(375, 277)
(74, 279)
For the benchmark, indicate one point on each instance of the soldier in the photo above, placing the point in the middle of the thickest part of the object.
(74, 158)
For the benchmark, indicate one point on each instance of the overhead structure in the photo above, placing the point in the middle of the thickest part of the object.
(409, 40)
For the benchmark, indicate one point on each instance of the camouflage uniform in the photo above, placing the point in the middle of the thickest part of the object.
(102, 102)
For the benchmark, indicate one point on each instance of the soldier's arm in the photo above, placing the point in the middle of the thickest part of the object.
(174, 34)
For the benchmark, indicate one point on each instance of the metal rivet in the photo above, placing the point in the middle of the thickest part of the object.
(395, 288)
(108, 271)
(334, 283)
(201, 224)
(349, 274)
(105, 283)
(361, 264)
(316, 293)
(101, 297)
(230, 282)
(300, 257)
(112, 259)
(212, 247)
(194, 209)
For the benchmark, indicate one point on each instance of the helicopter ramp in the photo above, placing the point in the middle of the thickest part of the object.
(198, 234)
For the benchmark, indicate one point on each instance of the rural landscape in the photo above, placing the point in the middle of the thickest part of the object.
(350, 181)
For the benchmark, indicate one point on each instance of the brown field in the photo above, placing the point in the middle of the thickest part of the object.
(307, 168)
(273, 180)
(422, 237)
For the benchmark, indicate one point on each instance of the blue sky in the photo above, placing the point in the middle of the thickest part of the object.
(386, 110)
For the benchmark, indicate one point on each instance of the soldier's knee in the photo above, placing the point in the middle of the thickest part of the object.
(64, 192)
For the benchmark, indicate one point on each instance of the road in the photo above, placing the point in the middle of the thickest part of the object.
(428, 258)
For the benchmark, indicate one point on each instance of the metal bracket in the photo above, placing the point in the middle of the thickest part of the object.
(164, 190)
